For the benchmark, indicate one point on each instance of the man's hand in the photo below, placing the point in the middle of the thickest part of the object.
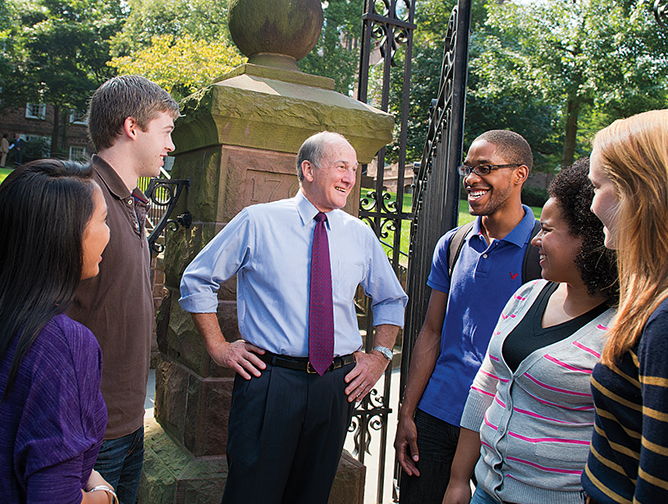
(405, 443)
(425, 354)
(367, 371)
(240, 356)
(370, 366)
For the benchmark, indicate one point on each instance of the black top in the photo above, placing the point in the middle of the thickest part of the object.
(529, 335)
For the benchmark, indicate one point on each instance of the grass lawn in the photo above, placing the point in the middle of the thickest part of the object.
(4, 172)
(464, 217)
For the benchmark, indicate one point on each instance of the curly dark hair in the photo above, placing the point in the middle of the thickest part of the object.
(573, 190)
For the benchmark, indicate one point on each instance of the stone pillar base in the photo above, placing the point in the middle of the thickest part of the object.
(173, 476)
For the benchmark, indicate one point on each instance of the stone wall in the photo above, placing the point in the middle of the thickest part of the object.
(159, 293)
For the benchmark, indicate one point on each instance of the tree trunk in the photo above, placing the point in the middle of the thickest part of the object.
(55, 131)
(573, 110)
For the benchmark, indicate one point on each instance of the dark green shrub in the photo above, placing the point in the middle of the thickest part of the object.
(39, 148)
(534, 196)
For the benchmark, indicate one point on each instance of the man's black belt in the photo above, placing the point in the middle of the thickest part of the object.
(302, 363)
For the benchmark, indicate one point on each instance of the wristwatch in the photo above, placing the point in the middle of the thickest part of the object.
(384, 351)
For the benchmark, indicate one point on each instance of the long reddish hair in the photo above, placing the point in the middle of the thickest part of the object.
(634, 155)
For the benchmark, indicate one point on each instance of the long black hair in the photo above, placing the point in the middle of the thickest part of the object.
(45, 206)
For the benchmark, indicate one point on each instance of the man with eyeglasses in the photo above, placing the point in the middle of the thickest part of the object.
(463, 309)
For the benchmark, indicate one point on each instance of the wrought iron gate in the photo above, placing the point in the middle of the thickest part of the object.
(389, 23)
(163, 193)
(436, 195)
(437, 183)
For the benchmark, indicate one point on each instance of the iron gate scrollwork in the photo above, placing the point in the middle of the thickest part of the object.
(437, 183)
(388, 25)
(164, 194)
(661, 13)
(436, 195)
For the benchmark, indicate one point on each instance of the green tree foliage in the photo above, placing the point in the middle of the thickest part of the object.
(182, 45)
(596, 58)
(515, 109)
(199, 19)
(555, 71)
(181, 66)
(5, 20)
(55, 52)
(337, 52)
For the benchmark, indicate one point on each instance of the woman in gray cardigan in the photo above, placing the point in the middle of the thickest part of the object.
(530, 413)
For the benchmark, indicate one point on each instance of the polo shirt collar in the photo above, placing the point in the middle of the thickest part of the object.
(307, 211)
(109, 176)
(520, 233)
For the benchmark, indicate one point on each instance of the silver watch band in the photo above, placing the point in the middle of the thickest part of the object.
(386, 352)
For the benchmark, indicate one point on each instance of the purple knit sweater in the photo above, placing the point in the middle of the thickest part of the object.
(52, 421)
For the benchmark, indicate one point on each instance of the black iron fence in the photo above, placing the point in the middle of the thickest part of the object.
(661, 12)
(436, 189)
(387, 27)
(163, 193)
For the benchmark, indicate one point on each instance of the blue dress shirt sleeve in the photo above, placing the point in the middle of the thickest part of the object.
(219, 261)
(382, 286)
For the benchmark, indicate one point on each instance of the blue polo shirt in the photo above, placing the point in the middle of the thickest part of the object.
(483, 279)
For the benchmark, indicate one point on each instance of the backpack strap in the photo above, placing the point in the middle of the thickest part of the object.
(531, 269)
(455, 245)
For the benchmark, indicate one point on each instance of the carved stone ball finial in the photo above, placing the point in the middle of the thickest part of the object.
(275, 33)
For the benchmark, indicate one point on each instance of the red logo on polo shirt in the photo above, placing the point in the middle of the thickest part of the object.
(513, 276)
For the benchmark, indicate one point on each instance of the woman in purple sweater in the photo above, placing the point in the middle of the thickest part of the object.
(52, 416)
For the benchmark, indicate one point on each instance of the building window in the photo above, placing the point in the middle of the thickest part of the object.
(37, 138)
(77, 117)
(35, 111)
(77, 153)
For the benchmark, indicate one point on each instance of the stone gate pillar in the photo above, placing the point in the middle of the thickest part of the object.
(237, 143)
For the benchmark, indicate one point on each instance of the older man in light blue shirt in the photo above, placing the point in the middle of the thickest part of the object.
(287, 425)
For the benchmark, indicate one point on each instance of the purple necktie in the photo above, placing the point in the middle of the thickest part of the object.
(321, 309)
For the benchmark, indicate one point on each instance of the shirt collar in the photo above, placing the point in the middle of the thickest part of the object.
(520, 234)
(307, 211)
(140, 196)
(111, 179)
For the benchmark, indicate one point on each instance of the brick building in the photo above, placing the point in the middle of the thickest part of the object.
(34, 123)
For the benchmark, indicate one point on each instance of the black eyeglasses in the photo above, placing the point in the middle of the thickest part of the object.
(481, 169)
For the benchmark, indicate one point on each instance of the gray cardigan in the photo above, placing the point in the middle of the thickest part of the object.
(535, 424)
